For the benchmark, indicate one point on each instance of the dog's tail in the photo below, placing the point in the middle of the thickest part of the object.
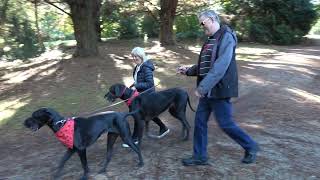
(190, 104)
(132, 113)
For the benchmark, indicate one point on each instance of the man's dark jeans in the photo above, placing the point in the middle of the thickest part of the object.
(222, 109)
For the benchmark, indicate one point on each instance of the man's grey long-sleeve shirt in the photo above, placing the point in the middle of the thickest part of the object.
(221, 64)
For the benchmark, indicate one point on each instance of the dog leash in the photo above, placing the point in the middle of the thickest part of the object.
(115, 104)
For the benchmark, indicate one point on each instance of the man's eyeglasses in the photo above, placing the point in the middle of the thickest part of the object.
(203, 22)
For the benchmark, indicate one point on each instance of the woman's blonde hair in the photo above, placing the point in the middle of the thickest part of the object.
(138, 51)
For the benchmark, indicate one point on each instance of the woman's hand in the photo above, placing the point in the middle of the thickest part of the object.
(196, 92)
(182, 70)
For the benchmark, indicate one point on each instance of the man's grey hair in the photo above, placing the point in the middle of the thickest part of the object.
(210, 14)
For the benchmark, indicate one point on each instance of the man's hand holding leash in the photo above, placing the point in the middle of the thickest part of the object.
(183, 70)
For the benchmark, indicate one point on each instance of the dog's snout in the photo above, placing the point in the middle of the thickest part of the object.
(30, 123)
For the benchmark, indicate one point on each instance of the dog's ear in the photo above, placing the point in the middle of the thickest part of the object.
(54, 115)
(42, 112)
(45, 114)
(118, 89)
(114, 90)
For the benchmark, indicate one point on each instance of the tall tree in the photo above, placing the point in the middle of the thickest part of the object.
(97, 19)
(167, 15)
(3, 10)
(85, 17)
(40, 42)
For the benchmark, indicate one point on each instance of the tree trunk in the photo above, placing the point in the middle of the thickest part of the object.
(3, 11)
(167, 16)
(83, 14)
(98, 22)
(40, 41)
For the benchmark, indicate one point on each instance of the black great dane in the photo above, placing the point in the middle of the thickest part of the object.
(147, 106)
(79, 133)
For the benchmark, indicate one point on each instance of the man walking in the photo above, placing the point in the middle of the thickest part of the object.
(217, 83)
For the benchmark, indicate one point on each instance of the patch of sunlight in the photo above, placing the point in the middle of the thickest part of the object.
(127, 80)
(166, 70)
(283, 58)
(157, 83)
(10, 64)
(48, 55)
(304, 94)
(254, 79)
(169, 71)
(253, 54)
(248, 67)
(162, 70)
(170, 59)
(283, 67)
(163, 54)
(256, 126)
(251, 57)
(47, 72)
(194, 49)
(68, 56)
(20, 76)
(167, 57)
(9, 107)
(155, 49)
(52, 54)
(119, 61)
(303, 70)
(255, 51)
(270, 66)
(296, 58)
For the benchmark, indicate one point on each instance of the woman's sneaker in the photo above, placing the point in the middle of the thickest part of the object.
(126, 145)
(163, 133)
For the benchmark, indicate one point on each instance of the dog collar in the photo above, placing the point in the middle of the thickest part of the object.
(66, 133)
(129, 101)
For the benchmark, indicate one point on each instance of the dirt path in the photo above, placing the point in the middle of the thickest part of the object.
(279, 105)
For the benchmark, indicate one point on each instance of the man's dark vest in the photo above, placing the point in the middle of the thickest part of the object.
(228, 86)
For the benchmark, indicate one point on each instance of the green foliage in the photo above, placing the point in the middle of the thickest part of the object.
(188, 27)
(110, 29)
(56, 27)
(271, 21)
(19, 38)
(110, 17)
(150, 26)
(316, 28)
(128, 28)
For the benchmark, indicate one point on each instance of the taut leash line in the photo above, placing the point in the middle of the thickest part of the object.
(115, 104)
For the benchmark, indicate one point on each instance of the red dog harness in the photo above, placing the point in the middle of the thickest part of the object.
(129, 101)
(66, 133)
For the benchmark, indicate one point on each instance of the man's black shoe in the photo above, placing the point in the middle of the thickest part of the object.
(191, 161)
(250, 156)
